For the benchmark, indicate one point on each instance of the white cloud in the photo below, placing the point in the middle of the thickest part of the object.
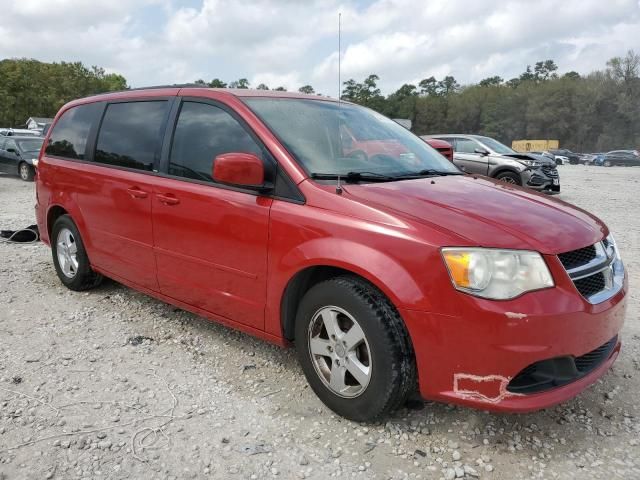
(290, 43)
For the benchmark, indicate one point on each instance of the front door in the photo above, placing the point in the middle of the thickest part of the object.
(210, 240)
(466, 157)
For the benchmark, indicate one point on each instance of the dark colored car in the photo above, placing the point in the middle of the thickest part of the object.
(390, 271)
(487, 156)
(626, 158)
(18, 155)
(574, 158)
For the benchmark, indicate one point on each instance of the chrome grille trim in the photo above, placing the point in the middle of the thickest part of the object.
(606, 263)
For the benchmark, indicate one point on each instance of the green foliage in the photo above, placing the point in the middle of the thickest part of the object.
(29, 88)
(597, 112)
(240, 83)
(262, 86)
(217, 83)
(307, 89)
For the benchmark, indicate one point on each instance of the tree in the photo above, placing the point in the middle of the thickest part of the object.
(572, 75)
(428, 86)
(280, 89)
(307, 89)
(624, 69)
(448, 85)
(29, 88)
(200, 82)
(491, 81)
(217, 83)
(241, 83)
(545, 70)
(262, 86)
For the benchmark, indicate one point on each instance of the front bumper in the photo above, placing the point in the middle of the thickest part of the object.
(542, 179)
(471, 358)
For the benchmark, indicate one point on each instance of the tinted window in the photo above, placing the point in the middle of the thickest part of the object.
(130, 134)
(69, 136)
(464, 145)
(204, 131)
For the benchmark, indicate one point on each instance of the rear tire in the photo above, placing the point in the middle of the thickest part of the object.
(607, 163)
(70, 257)
(509, 177)
(382, 360)
(26, 172)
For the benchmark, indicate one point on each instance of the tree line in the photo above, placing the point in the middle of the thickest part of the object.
(29, 88)
(599, 111)
(592, 113)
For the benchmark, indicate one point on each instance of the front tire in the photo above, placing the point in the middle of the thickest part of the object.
(70, 257)
(509, 177)
(26, 172)
(354, 349)
(607, 163)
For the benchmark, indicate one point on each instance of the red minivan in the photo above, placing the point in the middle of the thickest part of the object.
(390, 271)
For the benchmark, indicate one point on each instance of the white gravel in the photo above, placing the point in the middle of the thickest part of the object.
(112, 384)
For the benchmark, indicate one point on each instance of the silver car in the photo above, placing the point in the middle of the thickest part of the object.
(486, 156)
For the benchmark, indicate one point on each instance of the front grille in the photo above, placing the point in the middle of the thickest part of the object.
(577, 258)
(550, 171)
(596, 270)
(555, 372)
(590, 285)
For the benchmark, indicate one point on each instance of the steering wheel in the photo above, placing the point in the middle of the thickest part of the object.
(383, 159)
(358, 155)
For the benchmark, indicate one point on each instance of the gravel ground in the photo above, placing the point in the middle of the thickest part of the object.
(112, 384)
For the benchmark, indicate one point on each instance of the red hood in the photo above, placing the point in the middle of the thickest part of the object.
(487, 213)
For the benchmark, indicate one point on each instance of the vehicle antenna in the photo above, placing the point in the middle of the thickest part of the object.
(339, 184)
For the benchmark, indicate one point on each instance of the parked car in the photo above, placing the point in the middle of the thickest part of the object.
(17, 155)
(23, 132)
(486, 156)
(388, 273)
(445, 148)
(598, 159)
(626, 158)
(574, 158)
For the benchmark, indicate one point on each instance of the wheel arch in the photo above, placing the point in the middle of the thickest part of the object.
(384, 274)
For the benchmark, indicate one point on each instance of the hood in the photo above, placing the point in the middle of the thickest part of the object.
(528, 156)
(482, 212)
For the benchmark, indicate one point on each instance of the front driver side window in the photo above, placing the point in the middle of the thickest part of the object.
(464, 145)
(203, 132)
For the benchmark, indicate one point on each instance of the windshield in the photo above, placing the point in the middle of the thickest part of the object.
(30, 145)
(332, 138)
(496, 146)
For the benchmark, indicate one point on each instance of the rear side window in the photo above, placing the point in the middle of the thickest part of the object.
(464, 145)
(131, 134)
(202, 132)
(69, 135)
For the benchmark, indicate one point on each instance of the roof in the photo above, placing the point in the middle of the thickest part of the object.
(40, 120)
(23, 137)
(236, 92)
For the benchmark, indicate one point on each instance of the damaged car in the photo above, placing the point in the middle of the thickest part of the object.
(486, 156)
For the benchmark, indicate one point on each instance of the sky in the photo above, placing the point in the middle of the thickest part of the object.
(292, 43)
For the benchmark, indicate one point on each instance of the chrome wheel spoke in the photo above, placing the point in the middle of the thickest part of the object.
(354, 337)
(330, 320)
(67, 253)
(359, 371)
(336, 381)
(320, 346)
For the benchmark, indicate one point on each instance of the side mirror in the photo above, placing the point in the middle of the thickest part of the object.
(481, 151)
(239, 169)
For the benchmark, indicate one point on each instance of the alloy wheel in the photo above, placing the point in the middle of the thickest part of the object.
(24, 171)
(339, 351)
(67, 251)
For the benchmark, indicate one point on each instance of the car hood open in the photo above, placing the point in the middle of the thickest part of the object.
(484, 212)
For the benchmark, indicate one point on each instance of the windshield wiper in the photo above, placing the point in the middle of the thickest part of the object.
(355, 176)
(430, 172)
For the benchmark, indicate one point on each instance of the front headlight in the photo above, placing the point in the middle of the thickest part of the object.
(531, 163)
(496, 274)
